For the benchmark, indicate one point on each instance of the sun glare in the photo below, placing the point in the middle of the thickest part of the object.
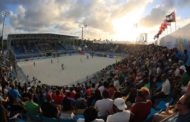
(125, 28)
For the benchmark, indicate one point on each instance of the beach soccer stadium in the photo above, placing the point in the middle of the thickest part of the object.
(60, 78)
(42, 56)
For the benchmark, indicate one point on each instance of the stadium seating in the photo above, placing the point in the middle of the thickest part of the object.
(18, 50)
(59, 47)
(67, 120)
(34, 117)
(46, 119)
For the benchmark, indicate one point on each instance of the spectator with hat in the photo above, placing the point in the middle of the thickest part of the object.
(121, 114)
(141, 103)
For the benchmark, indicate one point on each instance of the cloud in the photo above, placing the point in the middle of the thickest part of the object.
(156, 16)
(66, 16)
(130, 5)
(183, 3)
(79, 9)
(34, 15)
(158, 13)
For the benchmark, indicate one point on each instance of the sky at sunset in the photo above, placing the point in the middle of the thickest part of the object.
(119, 20)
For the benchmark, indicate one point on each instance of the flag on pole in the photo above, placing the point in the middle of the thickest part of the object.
(171, 17)
(158, 34)
(163, 26)
(167, 23)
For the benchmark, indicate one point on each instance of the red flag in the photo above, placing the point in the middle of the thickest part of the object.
(163, 26)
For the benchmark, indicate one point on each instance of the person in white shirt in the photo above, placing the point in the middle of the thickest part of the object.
(104, 106)
(116, 84)
(166, 87)
(101, 89)
(121, 114)
(177, 72)
(158, 71)
(164, 91)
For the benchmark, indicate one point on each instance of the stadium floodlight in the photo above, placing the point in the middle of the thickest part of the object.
(82, 33)
(4, 14)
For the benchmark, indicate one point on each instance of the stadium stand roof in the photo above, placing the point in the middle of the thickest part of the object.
(25, 36)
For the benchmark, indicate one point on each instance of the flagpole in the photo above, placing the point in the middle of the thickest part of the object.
(175, 20)
(136, 32)
(175, 26)
(167, 30)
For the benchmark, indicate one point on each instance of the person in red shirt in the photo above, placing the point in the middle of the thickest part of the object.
(57, 97)
(88, 91)
(72, 93)
(142, 106)
(111, 90)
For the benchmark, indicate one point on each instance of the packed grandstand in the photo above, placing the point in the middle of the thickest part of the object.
(149, 84)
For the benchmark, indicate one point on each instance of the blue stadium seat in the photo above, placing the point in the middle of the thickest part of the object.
(161, 106)
(150, 115)
(34, 117)
(158, 85)
(67, 120)
(20, 120)
(78, 116)
(35, 50)
(171, 101)
(60, 47)
(47, 119)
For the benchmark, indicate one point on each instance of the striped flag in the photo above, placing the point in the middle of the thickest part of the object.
(171, 17)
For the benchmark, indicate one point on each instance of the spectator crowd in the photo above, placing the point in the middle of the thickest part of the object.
(150, 84)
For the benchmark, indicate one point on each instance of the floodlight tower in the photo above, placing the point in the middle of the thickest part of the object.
(4, 14)
(82, 27)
